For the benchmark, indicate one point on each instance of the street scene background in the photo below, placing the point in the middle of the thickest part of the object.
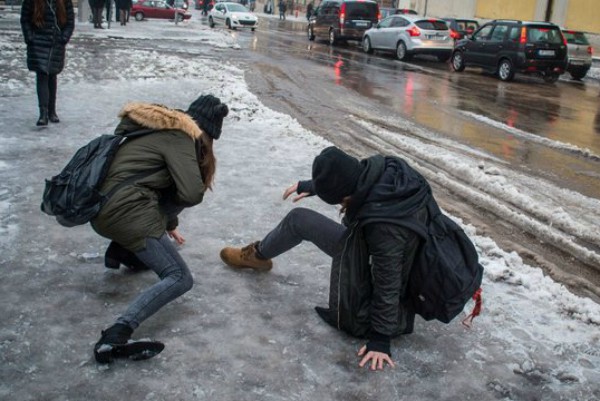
(244, 336)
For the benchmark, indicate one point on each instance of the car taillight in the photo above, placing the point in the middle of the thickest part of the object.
(378, 13)
(342, 13)
(523, 38)
(454, 34)
(590, 50)
(414, 31)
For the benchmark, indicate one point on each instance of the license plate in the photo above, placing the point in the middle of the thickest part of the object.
(435, 37)
(546, 53)
(361, 23)
(576, 62)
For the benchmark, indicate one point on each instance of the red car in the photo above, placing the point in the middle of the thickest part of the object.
(157, 9)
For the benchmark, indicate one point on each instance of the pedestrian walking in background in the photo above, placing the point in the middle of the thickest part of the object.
(172, 166)
(252, 5)
(124, 6)
(47, 27)
(108, 6)
(373, 250)
(282, 9)
(309, 10)
(97, 6)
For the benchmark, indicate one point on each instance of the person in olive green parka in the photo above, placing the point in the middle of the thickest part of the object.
(173, 164)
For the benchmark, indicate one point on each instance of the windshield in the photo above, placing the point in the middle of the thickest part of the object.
(361, 10)
(432, 24)
(576, 38)
(543, 34)
(237, 8)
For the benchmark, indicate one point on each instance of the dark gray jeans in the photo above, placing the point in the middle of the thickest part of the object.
(299, 225)
(161, 256)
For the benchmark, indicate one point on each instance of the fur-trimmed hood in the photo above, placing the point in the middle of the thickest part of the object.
(156, 116)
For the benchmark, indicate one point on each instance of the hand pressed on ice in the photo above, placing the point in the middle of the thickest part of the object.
(377, 359)
(290, 190)
(176, 236)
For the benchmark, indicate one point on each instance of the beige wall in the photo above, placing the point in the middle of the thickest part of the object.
(507, 9)
(583, 15)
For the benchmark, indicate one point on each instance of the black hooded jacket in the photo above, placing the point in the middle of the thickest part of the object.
(369, 276)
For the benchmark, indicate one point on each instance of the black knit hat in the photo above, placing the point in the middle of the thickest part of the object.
(208, 112)
(335, 175)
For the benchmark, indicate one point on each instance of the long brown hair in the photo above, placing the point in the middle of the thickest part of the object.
(39, 8)
(207, 160)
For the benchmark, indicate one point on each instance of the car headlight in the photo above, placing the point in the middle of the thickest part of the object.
(235, 17)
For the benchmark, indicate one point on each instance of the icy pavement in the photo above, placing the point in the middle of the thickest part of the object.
(236, 335)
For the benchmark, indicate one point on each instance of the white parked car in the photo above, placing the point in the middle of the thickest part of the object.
(232, 15)
(409, 35)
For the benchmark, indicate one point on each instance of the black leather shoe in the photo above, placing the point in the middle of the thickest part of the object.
(43, 120)
(53, 117)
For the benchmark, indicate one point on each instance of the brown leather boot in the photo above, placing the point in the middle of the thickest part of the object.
(246, 258)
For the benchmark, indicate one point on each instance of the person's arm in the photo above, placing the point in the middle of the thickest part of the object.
(182, 163)
(386, 244)
(26, 20)
(302, 188)
(67, 32)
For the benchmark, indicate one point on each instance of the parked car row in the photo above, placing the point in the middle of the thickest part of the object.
(502, 47)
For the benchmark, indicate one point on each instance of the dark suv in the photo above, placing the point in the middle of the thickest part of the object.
(339, 20)
(506, 46)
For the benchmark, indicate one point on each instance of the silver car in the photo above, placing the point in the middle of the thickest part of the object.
(579, 53)
(409, 35)
(232, 15)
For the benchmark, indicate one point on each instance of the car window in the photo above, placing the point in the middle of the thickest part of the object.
(576, 38)
(361, 10)
(515, 33)
(467, 25)
(543, 34)
(237, 8)
(483, 33)
(498, 33)
(386, 23)
(432, 24)
(219, 7)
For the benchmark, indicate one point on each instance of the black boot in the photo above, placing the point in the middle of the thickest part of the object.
(116, 255)
(52, 116)
(43, 120)
(114, 335)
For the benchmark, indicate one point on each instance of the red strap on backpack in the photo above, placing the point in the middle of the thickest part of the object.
(468, 321)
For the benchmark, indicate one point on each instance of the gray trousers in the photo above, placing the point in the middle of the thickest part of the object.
(162, 257)
(299, 225)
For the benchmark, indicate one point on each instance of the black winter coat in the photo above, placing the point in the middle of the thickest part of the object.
(368, 292)
(46, 45)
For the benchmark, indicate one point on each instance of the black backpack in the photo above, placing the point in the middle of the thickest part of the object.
(446, 272)
(74, 196)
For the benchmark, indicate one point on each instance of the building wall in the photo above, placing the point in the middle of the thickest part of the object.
(506, 9)
(450, 8)
(583, 15)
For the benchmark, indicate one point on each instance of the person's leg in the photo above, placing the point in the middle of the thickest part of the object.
(299, 225)
(52, 88)
(161, 256)
(43, 93)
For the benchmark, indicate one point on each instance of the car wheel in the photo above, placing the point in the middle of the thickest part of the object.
(401, 53)
(505, 70)
(550, 77)
(228, 23)
(367, 45)
(458, 61)
(252, 29)
(332, 37)
(211, 23)
(311, 34)
(579, 74)
(139, 16)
